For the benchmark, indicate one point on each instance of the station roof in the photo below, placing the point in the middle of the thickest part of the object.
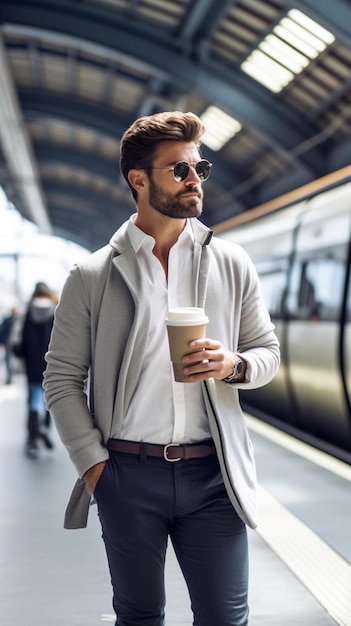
(74, 74)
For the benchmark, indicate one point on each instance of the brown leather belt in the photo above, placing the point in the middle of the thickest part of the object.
(170, 452)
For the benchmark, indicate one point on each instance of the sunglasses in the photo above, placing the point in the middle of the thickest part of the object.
(182, 168)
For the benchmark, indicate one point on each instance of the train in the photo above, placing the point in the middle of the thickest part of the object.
(301, 247)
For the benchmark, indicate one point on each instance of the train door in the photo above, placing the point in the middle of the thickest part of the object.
(273, 399)
(314, 307)
(346, 339)
(269, 242)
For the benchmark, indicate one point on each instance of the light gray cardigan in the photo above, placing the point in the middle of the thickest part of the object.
(99, 338)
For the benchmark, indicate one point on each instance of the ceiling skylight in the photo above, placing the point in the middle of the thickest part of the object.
(287, 51)
(220, 127)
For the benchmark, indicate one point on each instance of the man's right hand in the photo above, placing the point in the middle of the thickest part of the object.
(92, 475)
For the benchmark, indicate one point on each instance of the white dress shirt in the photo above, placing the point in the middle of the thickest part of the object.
(162, 410)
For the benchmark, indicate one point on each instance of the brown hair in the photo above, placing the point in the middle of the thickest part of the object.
(141, 139)
(41, 290)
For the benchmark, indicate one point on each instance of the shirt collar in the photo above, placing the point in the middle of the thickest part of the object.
(139, 239)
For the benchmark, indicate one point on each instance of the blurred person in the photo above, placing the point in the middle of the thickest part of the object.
(7, 328)
(163, 459)
(34, 341)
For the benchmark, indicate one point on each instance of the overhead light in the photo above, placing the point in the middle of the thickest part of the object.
(287, 50)
(266, 71)
(220, 127)
(312, 27)
(274, 47)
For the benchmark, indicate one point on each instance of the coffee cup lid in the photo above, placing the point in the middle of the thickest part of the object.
(183, 316)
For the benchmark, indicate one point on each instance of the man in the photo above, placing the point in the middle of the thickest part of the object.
(7, 327)
(33, 345)
(126, 442)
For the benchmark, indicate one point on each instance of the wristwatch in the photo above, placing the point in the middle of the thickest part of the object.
(237, 370)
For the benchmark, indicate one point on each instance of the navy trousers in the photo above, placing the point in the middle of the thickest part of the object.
(141, 502)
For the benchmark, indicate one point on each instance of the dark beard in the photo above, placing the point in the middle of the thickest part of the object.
(173, 205)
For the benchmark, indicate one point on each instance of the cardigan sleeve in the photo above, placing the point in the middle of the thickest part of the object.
(66, 379)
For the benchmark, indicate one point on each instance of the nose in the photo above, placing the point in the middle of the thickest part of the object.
(192, 176)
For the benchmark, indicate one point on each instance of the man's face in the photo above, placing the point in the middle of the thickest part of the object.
(166, 195)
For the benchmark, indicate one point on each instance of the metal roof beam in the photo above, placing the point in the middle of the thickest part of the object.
(38, 104)
(203, 17)
(115, 211)
(48, 153)
(17, 148)
(236, 93)
(63, 108)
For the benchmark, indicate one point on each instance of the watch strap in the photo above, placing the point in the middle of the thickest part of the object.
(237, 370)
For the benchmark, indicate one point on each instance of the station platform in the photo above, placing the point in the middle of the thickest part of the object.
(300, 555)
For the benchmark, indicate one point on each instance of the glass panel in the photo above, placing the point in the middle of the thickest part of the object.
(316, 287)
(273, 286)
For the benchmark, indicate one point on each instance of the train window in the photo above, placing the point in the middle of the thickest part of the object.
(273, 286)
(317, 288)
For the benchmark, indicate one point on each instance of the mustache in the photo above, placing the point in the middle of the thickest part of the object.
(191, 189)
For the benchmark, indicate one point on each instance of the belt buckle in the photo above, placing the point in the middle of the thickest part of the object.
(165, 452)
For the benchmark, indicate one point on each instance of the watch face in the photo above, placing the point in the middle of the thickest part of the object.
(237, 370)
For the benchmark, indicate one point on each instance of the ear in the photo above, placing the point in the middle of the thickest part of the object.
(138, 179)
